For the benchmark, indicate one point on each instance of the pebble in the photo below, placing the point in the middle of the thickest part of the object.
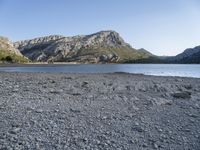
(15, 90)
(136, 124)
(53, 91)
(183, 95)
(160, 130)
(52, 81)
(84, 83)
(98, 142)
(138, 128)
(39, 111)
(155, 146)
(74, 110)
(15, 130)
(145, 145)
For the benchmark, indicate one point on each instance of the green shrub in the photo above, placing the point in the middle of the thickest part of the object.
(8, 59)
(6, 56)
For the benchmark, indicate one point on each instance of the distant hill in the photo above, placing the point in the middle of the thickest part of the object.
(100, 47)
(8, 53)
(190, 55)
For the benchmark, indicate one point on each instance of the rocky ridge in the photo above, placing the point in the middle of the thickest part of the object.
(104, 46)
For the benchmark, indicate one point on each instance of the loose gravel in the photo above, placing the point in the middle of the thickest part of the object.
(98, 111)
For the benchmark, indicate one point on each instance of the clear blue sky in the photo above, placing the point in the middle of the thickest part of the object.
(164, 27)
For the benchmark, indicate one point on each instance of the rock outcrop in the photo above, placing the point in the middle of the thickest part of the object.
(101, 47)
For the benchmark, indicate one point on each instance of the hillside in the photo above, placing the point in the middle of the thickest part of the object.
(190, 55)
(101, 47)
(8, 53)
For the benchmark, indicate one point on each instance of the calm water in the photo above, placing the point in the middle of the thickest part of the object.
(147, 69)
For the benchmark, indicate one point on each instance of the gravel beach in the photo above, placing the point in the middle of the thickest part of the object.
(98, 111)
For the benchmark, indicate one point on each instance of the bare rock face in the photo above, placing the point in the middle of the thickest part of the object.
(7, 45)
(104, 46)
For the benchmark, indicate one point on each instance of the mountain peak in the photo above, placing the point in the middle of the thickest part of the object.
(107, 38)
(107, 32)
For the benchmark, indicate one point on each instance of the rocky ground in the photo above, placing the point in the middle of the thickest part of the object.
(98, 111)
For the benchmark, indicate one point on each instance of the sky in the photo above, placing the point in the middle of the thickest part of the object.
(163, 27)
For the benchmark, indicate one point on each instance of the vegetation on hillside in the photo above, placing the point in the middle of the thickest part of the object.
(6, 56)
(125, 53)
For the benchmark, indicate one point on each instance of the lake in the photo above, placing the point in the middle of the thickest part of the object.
(181, 70)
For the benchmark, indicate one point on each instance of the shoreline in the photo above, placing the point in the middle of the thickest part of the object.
(145, 69)
(97, 74)
(98, 111)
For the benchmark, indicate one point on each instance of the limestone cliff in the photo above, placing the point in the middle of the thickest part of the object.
(101, 47)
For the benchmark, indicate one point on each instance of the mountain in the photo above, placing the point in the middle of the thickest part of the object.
(9, 53)
(100, 47)
(190, 55)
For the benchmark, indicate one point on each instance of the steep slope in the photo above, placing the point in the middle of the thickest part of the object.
(104, 46)
(9, 53)
(145, 52)
(191, 55)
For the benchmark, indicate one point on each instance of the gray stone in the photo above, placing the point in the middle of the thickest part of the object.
(15, 130)
(183, 95)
